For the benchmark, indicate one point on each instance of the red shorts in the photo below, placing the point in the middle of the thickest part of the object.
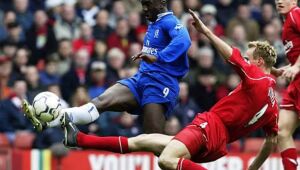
(291, 97)
(206, 138)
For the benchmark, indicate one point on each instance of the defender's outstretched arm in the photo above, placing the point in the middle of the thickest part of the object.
(223, 48)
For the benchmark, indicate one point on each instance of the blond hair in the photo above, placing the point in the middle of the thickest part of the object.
(264, 50)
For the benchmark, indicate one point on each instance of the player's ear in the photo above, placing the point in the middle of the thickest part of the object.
(261, 61)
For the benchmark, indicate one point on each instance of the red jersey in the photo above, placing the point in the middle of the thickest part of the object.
(82, 44)
(252, 105)
(291, 34)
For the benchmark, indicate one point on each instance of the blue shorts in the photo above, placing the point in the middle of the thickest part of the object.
(153, 87)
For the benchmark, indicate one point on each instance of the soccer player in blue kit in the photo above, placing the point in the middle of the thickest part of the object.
(153, 90)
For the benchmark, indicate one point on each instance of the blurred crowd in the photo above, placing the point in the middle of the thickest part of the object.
(78, 48)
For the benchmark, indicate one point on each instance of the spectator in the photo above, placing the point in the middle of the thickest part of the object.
(9, 17)
(177, 8)
(243, 18)
(120, 39)
(268, 14)
(277, 25)
(79, 97)
(68, 25)
(255, 9)
(204, 92)
(86, 40)
(65, 55)
(203, 59)
(226, 11)
(105, 4)
(126, 125)
(9, 49)
(87, 10)
(192, 4)
(50, 74)
(54, 9)
(209, 12)
(223, 90)
(6, 68)
(132, 5)
(98, 82)
(24, 16)
(40, 37)
(172, 126)
(186, 109)
(15, 34)
(76, 76)
(33, 80)
(102, 30)
(12, 107)
(274, 39)
(118, 12)
(20, 62)
(214, 2)
(115, 61)
(20, 91)
(238, 38)
(140, 33)
(11, 117)
(134, 21)
(100, 50)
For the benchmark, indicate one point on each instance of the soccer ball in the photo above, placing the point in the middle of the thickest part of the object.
(47, 106)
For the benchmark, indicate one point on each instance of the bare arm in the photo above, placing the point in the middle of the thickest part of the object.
(265, 151)
(223, 48)
(277, 72)
(291, 72)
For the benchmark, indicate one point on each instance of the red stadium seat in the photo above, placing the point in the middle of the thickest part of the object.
(253, 145)
(24, 140)
(4, 142)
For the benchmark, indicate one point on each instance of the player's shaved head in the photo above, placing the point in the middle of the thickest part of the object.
(151, 8)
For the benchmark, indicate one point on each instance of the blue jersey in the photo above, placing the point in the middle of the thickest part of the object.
(169, 41)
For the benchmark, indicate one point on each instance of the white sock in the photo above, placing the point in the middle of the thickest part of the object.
(79, 115)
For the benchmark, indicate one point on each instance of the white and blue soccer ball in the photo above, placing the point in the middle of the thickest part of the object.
(47, 106)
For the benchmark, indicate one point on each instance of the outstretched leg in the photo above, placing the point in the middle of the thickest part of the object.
(177, 154)
(154, 143)
(116, 98)
(288, 122)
